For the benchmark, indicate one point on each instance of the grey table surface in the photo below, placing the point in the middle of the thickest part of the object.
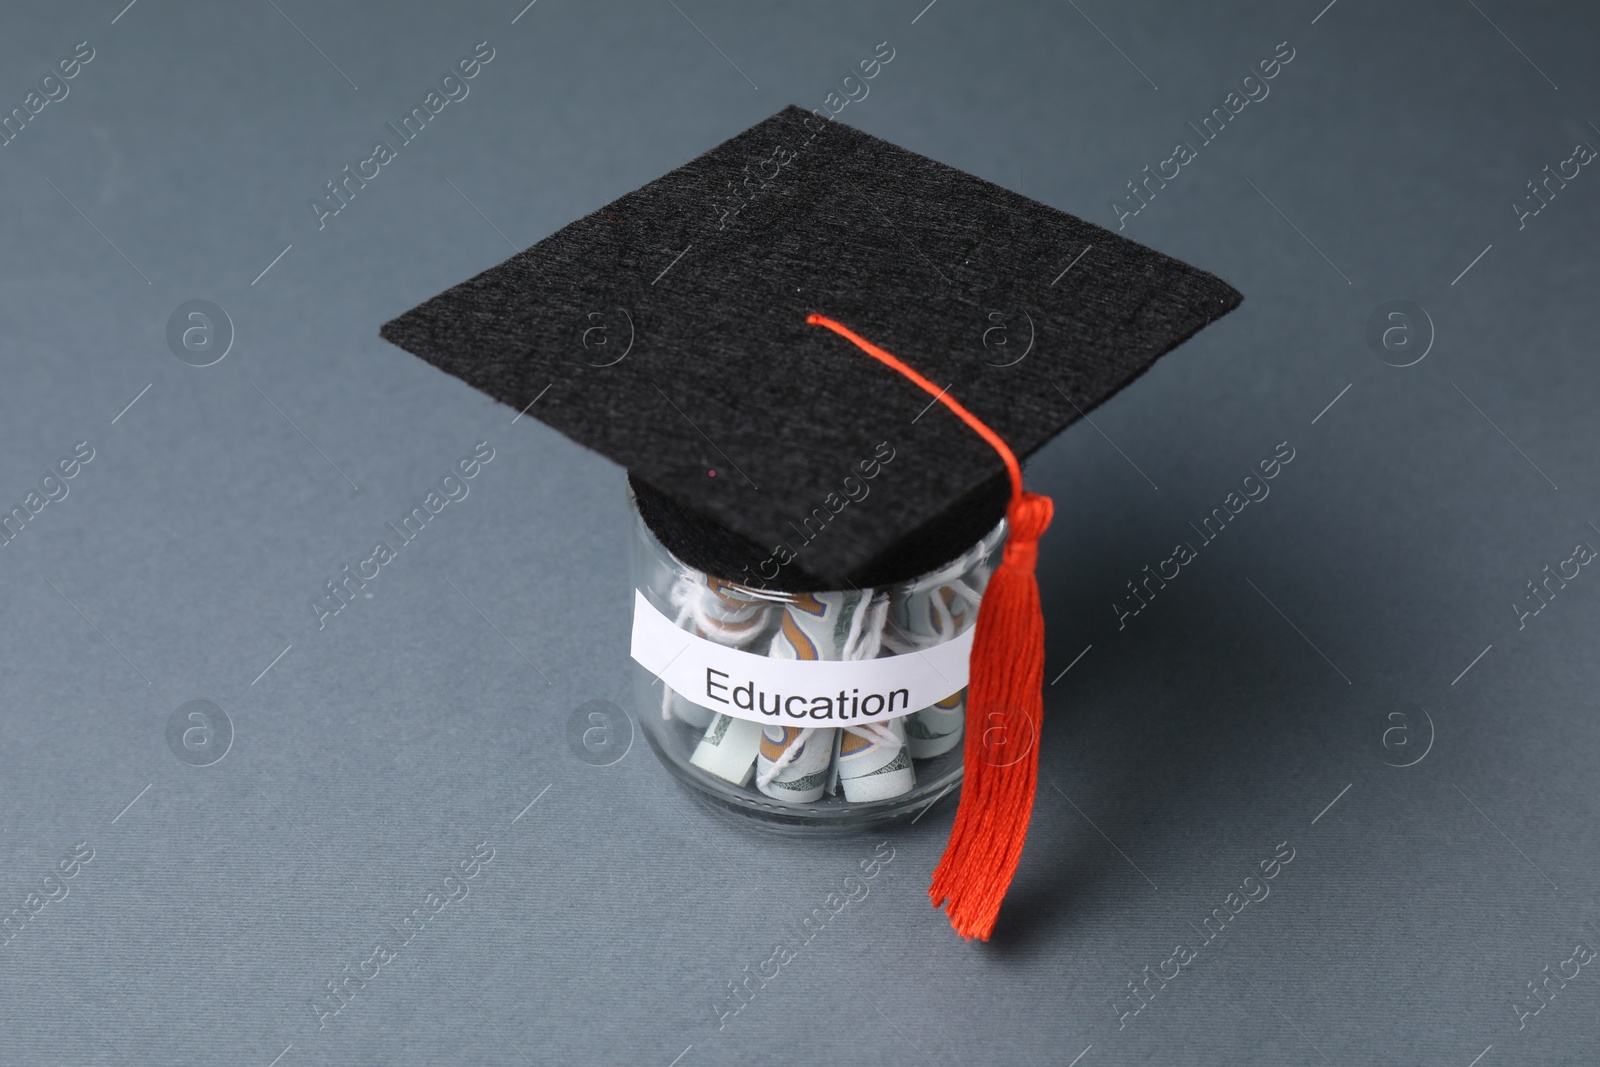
(1343, 676)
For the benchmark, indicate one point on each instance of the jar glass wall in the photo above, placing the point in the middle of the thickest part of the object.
(872, 770)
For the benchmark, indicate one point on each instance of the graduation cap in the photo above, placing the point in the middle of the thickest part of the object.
(751, 333)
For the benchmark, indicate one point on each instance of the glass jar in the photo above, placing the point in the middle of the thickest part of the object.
(757, 684)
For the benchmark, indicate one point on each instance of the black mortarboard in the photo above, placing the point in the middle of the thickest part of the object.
(668, 332)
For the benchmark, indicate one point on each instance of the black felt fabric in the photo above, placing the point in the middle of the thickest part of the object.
(714, 548)
(667, 331)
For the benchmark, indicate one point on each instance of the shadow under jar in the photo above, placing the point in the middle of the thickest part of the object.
(763, 702)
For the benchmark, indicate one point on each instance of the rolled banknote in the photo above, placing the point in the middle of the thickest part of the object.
(793, 763)
(935, 730)
(817, 626)
(728, 749)
(871, 762)
(874, 761)
(720, 611)
(934, 612)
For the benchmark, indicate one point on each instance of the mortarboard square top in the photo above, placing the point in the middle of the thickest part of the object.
(668, 332)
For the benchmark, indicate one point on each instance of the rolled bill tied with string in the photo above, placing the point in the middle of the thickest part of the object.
(937, 611)
(842, 625)
(720, 611)
(874, 762)
(937, 729)
(792, 762)
(726, 613)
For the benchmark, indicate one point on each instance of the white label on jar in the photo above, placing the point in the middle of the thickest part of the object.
(797, 692)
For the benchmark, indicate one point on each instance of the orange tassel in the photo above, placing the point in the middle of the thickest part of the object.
(1005, 697)
(1005, 710)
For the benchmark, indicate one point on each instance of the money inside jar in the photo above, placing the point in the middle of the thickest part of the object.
(768, 760)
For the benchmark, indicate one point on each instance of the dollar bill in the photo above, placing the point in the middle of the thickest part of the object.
(720, 611)
(792, 764)
(931, 615)
(728, 749)
(875, 762)
(935, 730)
(818, 626)
(822, 626)
(729, 613)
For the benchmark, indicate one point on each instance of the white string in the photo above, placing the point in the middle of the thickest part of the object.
(965, 597)
(866, 627)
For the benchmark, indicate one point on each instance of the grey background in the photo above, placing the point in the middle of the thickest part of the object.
(375, 753)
